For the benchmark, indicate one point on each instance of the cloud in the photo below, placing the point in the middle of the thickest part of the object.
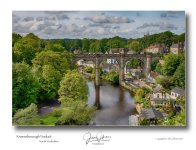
(109, 19)
(39, 19)
(163, 15)
(170, 14)
(160, 25)
(15, 18)
(61, 15)
(51, 18)
(28, 19)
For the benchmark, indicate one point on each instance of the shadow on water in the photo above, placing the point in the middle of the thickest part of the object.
(114, 103)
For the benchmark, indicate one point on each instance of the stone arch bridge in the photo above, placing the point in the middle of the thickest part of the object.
(120, 58)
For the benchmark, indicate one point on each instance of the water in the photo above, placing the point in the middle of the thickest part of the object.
(114, 103)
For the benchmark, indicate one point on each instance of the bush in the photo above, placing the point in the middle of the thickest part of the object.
(57, 112)
(25, 116)
(88, 69)
(76, 113)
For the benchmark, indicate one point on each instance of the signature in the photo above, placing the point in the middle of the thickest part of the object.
(95, 139)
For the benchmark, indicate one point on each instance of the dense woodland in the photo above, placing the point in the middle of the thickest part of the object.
(42, 70)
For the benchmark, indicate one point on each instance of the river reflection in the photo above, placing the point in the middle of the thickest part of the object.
(114, 103)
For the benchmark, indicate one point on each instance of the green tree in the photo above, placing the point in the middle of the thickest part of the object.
(159, 68)
(139, 96)
(179, 76)
(166, 38)
(88, 69)
(49, 67)
(49, 82)
(135, 46)
(154, 64)
(172, 62)
(26, 48)
(15, 38)
(73, 86)
(60, 61)
(166, 82)
(57, 47)
(134, 63)
(85, 44)
(24, 86)
(25, 116)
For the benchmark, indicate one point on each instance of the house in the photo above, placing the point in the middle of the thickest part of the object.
(151, 115)
(157, 48)
(176, 92)
(177, 48)
(152, 77)
(159, 97)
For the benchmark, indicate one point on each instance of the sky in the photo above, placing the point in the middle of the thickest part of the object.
(97, 24)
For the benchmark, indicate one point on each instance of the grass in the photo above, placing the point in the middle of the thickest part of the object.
(45, 120)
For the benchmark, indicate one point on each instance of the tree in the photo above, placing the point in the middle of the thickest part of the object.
(134, 46)
(24, 86)
(179, 75)
(172, 62)
(165, 38)
(25, 49)
(134, 63)
(88, 69)
(73, 86)
(25, 116)
(85, 44)
(60, 61)
(139, 95)
(49, 67)
(57, 47)
(49, 82)
(15, 38)
(166, 82)
(154, 64)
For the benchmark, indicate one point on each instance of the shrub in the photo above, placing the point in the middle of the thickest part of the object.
(25, 116)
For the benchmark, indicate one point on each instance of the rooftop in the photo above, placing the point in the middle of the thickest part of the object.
(151, 114)
(178, 91)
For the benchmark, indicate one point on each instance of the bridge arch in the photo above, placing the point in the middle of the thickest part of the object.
(120, 58)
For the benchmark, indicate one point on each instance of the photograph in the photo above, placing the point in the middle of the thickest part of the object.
(99, 68)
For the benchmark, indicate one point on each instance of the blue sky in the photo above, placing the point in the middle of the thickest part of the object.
(97, 24)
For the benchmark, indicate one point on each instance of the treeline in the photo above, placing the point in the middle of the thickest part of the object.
(100, 45)
(103, 45)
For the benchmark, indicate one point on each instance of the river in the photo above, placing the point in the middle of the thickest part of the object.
(114, 104)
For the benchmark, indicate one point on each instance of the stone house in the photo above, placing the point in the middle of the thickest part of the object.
(159, 97)
(177, 48)
(176, 92)
(154, 49)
